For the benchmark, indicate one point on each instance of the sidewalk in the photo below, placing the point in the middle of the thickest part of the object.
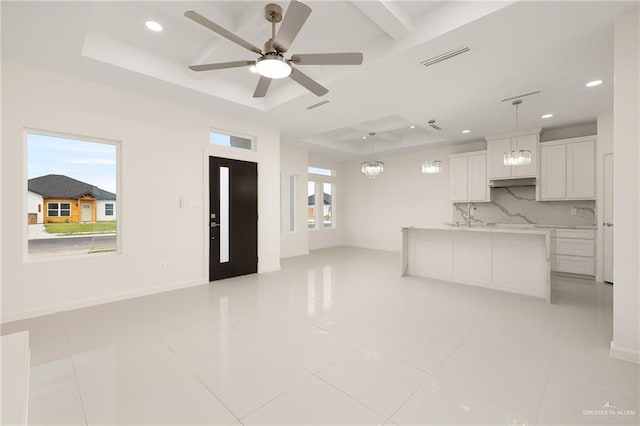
(38, 232)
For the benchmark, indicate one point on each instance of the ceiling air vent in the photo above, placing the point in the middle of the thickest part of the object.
(524, 95)
(318, 104)
(433, 125)
(444, 56)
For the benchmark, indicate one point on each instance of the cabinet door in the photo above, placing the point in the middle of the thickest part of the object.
(553, 170)
(496, 150)
(530, 143)
(458, 173)
(477, 178)
(581, 170)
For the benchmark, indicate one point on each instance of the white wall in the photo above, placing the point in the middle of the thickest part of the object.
(377, 209)
(329, 237)
(164, 149)
(574, 131)
(33, 202)
(293, 162)
(626, 142)
(100, 204)
(604, 146)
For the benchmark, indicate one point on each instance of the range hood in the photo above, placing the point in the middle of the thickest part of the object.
(506, 183)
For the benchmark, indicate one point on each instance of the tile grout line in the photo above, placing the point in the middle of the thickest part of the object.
(274, 398)
(351, 397)
(203, 383)
(553, 358)
(75, 371)
(426, 379)
(546, 384)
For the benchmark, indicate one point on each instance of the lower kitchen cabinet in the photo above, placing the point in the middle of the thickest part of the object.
(573, 251)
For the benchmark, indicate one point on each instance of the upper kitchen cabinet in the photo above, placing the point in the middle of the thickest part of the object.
(567, 170)
(497, 146)
(468, 177)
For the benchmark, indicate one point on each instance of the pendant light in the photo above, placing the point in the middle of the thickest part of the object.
(513, 157)
(372, 168)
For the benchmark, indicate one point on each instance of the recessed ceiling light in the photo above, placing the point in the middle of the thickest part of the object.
(153, 26)
(547, 116)
(466, 131)
(253, 69)
(412, 127)
(594, 83)
(364, 137)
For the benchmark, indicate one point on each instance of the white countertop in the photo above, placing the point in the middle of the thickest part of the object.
(494, 229)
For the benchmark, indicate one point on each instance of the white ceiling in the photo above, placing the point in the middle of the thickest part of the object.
(555, 47)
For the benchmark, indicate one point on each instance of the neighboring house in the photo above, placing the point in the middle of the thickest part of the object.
(326, 206)
(59, 198)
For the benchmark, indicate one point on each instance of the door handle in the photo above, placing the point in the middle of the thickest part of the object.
(214, 225)
(609, 224)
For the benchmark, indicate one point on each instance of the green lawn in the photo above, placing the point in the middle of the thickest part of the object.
(78, 228)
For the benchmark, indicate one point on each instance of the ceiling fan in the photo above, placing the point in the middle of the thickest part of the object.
(271, 63)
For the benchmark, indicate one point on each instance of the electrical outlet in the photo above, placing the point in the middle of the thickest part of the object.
(163, 266)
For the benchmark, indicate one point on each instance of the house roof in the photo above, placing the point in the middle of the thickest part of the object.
(311, 199)
(60, 186)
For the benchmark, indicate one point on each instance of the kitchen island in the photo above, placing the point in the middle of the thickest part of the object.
(506, 259)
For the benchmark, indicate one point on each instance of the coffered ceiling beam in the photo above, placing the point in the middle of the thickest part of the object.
(387, 15)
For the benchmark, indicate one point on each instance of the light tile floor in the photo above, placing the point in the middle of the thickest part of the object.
(336, 337)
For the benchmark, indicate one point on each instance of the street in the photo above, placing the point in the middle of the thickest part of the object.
(76, 245)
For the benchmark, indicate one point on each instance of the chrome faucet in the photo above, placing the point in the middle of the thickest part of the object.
(468, 215)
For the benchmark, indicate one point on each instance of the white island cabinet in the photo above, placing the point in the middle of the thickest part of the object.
(513, 260)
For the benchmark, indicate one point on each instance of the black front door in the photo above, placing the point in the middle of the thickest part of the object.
(233, 218)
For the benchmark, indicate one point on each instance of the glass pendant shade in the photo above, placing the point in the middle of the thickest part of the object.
(432, 166)
(517, 158)
(273, 66)
(521, 157)
(372, 168)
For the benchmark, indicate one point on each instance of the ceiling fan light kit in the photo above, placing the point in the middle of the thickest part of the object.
(273, 66)
(271, 63)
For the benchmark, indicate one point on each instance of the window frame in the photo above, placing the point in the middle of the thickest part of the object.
(108, 209)
(26, 131)
(252, 138)
(315, 205)
(58, 209)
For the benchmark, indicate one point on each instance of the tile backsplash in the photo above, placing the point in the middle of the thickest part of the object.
(519, 205)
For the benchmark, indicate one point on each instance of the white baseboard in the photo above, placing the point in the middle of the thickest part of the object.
(273, 268)
(372, 247)
(17, 316)
(624, 354)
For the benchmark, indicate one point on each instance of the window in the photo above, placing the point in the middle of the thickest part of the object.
(58, 209)
(69, 180)
(311, 205)
(320, 171)
(224, 139)
(327, 205)
(293, 189)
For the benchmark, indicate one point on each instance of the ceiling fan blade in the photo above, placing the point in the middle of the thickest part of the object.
(295, 17)
(349, 58)
(308, 83)
(262, 87)
(221, 65)
(196, 17)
